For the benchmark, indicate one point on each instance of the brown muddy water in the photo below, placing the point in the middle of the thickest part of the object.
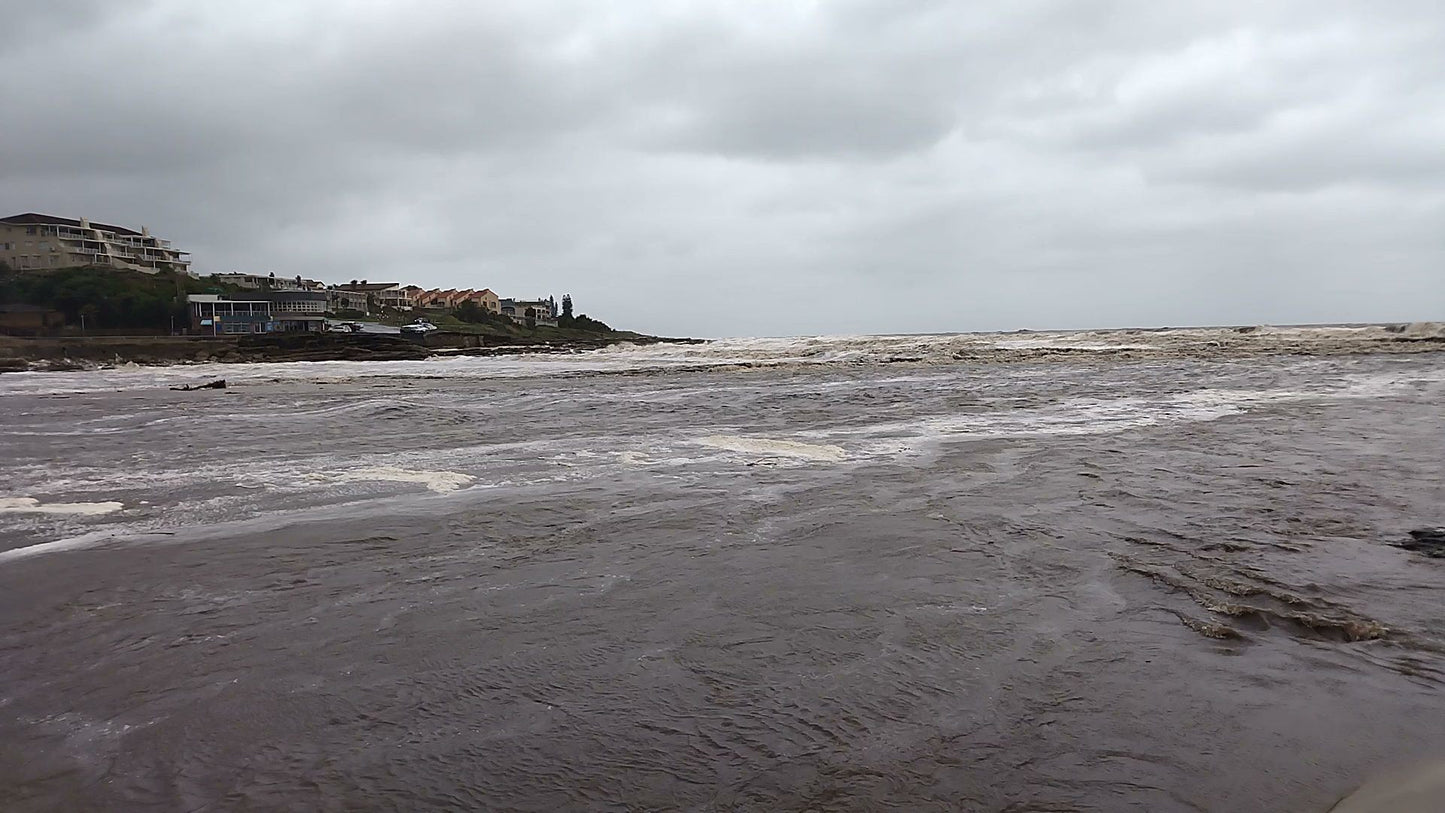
(624, 582)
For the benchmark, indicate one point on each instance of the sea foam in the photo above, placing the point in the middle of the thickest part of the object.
(438, 481)
(776, 447)
(30, 505)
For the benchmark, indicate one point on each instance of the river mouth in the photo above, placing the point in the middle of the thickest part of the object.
(1087, 583)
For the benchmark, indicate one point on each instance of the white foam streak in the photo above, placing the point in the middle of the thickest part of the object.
(30, 505)
(776, 447)
(438, 481)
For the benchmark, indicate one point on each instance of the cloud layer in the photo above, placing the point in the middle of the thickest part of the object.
(769, 167)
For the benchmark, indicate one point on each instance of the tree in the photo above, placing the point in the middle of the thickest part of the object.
(469, 311)
(531, 316)
(567, 306)
(106, 297)
(583, 322)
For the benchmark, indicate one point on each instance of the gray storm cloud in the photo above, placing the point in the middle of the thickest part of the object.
(726, 168)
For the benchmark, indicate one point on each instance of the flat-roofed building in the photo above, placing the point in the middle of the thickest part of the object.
(30, 320)
(213, 314)
(540, 311)
(340, 299)
(262, 282)
(384, 294)
(33, 242)
(296, 311)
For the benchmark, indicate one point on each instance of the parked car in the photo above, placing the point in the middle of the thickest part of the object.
(419, 326)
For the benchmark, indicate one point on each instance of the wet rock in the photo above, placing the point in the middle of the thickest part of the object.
(63, 365)
(1429, 541)
(218, 384)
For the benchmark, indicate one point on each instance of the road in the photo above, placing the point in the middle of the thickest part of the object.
(377, 327)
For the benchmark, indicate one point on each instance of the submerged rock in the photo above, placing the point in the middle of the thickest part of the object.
(1429, 541)
(218, 384)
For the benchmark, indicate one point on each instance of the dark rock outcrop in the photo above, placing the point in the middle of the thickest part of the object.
(1429, 541)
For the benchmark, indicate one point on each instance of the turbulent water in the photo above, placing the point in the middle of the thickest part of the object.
(1151, 571)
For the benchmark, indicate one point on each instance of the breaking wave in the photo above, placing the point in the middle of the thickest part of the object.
(624, 358)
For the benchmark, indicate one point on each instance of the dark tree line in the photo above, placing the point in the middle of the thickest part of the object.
(107, 298)
(580, 322)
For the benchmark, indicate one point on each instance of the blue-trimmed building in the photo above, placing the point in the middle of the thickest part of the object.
(260, 312)
(215, 315)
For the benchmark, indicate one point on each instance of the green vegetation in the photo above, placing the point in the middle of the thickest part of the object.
(111, 299)
(583, 322)
(472, 313)
(105, 297)
(469, 317)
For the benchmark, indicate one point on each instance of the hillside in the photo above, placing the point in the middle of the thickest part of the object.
(106, 298)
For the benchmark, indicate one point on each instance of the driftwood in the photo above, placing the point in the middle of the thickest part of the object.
(218, 384)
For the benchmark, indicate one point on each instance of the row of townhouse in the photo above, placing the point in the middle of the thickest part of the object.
(452, 298)
(363, 296)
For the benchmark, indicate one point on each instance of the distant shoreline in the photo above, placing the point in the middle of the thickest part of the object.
(1097, 346)
(20, 354)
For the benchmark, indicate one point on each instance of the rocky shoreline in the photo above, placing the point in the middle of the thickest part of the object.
(73, 353)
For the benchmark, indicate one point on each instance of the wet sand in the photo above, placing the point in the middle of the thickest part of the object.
(634, 580)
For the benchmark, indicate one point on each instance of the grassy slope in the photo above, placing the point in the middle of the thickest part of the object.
(511, 330)
(129, 299)
(110, 298)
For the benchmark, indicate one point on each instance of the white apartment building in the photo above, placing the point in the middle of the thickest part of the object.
(33, 241)
(384, 294)
(254, 282)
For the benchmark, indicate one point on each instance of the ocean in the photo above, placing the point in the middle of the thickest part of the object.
(1127, 570)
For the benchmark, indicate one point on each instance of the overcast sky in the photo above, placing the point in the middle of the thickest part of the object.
(763, 168)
